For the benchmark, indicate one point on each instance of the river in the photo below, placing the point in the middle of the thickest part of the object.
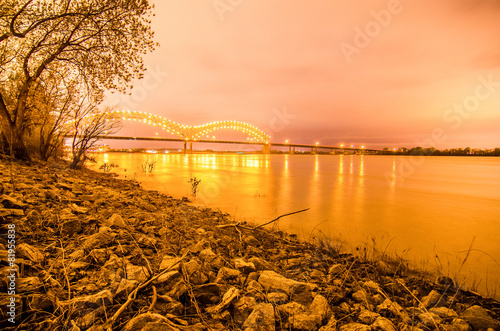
(429, 210)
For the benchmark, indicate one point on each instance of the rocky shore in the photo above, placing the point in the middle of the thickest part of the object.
(93, 252)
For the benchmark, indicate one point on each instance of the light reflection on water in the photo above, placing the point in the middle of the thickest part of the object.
(438, 210)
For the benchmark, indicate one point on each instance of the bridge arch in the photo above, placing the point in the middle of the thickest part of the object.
(189, 132)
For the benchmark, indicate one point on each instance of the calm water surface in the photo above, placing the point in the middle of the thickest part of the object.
(430, 212)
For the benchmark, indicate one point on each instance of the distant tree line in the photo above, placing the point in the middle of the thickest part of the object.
(57, 59)
(431, 151)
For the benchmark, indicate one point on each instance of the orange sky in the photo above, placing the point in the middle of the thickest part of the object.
(379, 73)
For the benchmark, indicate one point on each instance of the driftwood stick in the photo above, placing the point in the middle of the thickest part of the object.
(132, 295)
(277, 218)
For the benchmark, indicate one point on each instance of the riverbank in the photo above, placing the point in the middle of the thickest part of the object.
(96, 252)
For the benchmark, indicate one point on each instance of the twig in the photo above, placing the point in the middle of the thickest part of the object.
(155, 297)
(132, 295)
(277, 218)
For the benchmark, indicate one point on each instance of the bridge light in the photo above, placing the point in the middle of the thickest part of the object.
(341, 145)
(362, 146)
(286, 141)
(317, 143)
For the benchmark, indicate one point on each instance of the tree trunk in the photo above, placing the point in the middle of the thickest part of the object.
(16, 144)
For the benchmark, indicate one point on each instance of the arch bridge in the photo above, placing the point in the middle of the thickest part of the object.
(191, 133)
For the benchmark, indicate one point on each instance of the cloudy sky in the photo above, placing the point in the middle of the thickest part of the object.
(379, 73)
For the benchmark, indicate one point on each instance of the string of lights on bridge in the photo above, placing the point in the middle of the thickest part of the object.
(189, 132)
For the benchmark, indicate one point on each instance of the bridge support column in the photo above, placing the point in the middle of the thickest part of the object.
(185, 143)
(190, 147)
(266, 149)
(291, 150)
(314, 150)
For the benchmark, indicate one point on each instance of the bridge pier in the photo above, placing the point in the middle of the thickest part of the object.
(266, 149)
(291, 150)
(314, 150)
(190, 150)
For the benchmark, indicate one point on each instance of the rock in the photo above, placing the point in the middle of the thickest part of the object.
(259, 263)
(335, 269)
(245, 267)
(355, 327)
(330, 326)
(103, 237)
(321, 307)
(362, 297)
(138, 273)
(71, 226)
(251, 240)
(242, 308)
(277, 298)
(433, 299)
(317, 274)
(11, 203)
(28, 284)
(207, 255)
(429, 319)
(368, 317)
(149, 322)
(227, 274)
(29, 252)
(394, 308)
(4, 212)
(291, 309)
(383, 324)
(385, 268)
(254, 289)
(305, 322)
(443, 312)
(227, 299)
(86, 304)
(459, 324)
(261, 319)
(169, 261)
(372, 287)
(479, 318)
(40, 302)
(125, 287)
(115, 220)
(207, 293)
(273, 282)
(167, 305)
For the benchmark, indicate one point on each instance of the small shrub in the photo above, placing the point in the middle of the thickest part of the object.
(194, 184)
(149, 164)
(106, 167)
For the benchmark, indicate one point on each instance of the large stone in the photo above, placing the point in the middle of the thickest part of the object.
(138, 273)
(29, 252)
(368, 317)
(277, 298)
(149, 322)
(433, 299)
(443, 312)
(321, 307)
(383, 324)
(243, 266)
(261, 319)
(96, 240)
(273, 282)
(305, 322)
(227, 274)
(86, 304)
(242, 308)
(170, 262)
(28, 284)
(115, 220)
(12, 203)
(393, 307)
(479, 318)
(430, 319)
(355, 327)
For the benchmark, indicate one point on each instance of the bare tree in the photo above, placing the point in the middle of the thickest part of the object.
(88, 123)
(102, 41)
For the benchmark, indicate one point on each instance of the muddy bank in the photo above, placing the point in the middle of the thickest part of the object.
(93, 252)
